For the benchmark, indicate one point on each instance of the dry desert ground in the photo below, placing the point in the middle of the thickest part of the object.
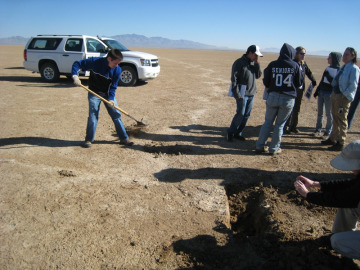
(181, 198)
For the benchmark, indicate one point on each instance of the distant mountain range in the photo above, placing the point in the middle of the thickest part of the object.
(13, 41)
(133, 40)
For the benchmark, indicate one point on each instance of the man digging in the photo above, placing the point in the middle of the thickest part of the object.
(104, 77)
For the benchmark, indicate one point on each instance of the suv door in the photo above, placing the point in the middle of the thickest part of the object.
(73, 51)
(94, 48)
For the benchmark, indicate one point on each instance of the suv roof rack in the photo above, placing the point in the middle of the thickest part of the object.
(57, 35)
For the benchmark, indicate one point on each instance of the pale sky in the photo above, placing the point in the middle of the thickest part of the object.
(330, 25)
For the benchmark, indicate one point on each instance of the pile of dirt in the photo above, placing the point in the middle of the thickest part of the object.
(263, 234)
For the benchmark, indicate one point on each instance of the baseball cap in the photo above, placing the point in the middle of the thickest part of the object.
(349, 158)
(254, 49)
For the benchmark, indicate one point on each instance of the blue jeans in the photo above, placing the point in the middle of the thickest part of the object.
(324, 101)
(94, 108)
(353, 107)
(243, 110)
(279, 107)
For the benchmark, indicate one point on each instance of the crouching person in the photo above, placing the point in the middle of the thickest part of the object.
(344, 194)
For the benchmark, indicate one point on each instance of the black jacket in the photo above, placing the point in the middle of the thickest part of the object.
(341, 194)
(283, 75)
(326, 79)
(243, 72)
(306, 71)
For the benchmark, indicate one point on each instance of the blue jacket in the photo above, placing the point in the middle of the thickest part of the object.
(99, 65)
(347, 80)
(283, 75)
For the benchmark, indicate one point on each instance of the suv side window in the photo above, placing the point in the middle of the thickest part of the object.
(44, 43)
(92, 45)
(74, 45)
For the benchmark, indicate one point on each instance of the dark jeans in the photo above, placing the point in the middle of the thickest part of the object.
(293, 120)
(353, 107)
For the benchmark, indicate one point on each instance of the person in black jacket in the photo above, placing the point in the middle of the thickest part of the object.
(323, 92)
(244, 73)
(281, 78)
(291, 124)
(344, 194)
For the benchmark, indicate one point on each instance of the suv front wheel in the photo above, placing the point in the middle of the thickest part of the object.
(49, 72)
(128, 76)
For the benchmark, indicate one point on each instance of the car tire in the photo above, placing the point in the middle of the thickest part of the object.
(49, 72)
(128, 76)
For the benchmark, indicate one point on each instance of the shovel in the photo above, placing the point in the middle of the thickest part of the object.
(139, 123)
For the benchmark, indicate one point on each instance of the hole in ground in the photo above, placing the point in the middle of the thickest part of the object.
(167, 149)
(271, 228)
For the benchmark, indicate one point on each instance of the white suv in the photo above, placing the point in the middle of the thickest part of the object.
(54, 55)
(135, 65)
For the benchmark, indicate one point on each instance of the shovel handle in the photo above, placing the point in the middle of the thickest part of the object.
(103, 99)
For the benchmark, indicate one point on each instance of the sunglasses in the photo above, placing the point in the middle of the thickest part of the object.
(302, 53)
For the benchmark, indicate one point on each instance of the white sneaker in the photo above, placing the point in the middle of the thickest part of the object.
(86, 144)
(277, 152)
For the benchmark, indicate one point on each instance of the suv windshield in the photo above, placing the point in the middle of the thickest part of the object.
(114, 44)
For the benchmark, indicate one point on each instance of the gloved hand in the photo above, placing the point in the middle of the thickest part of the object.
(313, 83)
(111, 104)
(76, 80)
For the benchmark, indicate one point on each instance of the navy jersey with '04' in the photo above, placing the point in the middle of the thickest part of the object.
(284, 74)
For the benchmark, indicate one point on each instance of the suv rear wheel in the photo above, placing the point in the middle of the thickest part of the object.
(49, 72)
(128, 76)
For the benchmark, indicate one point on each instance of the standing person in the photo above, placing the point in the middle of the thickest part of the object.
(282, 77)
(244, 73)
(323, 92)
(108, 70)
(344, 88)
(291, 124)
(353, 106)
(344, 194)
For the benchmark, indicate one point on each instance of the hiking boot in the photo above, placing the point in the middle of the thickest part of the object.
(294, 131)
(239, 137)
(328, 142)
(336, 147)
(261, 150)
(277, 152)
(126, 142)
(86, 144)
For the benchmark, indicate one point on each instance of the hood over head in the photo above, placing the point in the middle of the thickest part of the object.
(287, 52)
(336, 58)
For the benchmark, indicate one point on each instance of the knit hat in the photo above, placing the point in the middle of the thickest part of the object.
(349, 158)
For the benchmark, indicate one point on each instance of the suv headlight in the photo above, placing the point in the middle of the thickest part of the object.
(145, 62)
